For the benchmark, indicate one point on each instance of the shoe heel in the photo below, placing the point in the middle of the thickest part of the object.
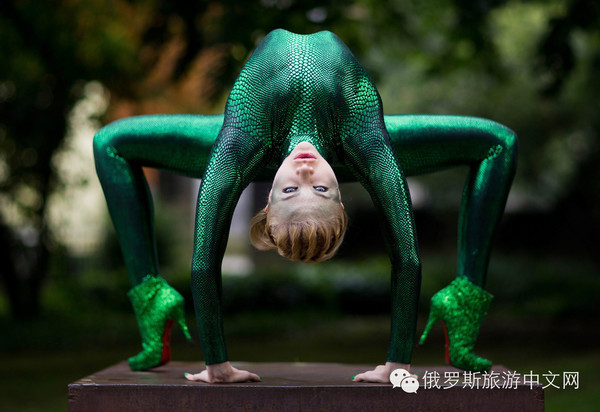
(179, 315)
(433, 318)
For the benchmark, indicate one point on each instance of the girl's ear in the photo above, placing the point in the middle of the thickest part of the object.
(340, 197)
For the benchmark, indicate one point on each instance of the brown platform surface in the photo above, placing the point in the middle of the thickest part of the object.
(294, 387)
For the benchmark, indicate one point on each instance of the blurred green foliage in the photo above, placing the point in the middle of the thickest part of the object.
(93, 311)
(530, 65)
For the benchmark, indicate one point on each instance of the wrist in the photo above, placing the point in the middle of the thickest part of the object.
(392, 366)
(219, 372)
(398, 365)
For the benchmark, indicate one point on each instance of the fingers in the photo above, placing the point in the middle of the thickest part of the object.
(236, 375)
(380, 374)
(252, 377)
(241, 376)
(202, 376)
(358, 378)
(372, 376)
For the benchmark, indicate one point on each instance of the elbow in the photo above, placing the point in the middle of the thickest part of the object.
(413, 267)
(409, 265)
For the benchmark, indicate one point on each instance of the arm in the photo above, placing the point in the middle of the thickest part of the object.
(234, 162)
(374, 163)
(372, 160)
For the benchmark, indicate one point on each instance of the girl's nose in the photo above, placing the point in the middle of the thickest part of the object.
(304, 170)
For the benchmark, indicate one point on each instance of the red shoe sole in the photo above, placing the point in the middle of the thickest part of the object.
(166, 347)
(446, 344)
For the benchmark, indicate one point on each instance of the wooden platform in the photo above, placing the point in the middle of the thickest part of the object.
(293, 387)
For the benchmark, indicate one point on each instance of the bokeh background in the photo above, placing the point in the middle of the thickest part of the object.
(68, 67)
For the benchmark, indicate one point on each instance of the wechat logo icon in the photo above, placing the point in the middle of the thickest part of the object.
(402, 378)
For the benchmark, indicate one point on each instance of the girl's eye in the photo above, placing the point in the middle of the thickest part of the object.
(320, 188)
(290, 189)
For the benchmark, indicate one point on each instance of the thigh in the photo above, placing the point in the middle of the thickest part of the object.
(427, 143)
(178, 143)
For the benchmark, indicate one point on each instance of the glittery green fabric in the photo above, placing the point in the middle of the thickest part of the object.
(155, 303)
(461, 306)
(426, 143)
(179, 143)
(304, 88)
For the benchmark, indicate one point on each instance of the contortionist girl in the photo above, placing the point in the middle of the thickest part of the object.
(304, 113)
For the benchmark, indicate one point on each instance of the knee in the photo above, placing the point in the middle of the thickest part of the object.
(104, 144)
(509, 142)
(504, 144)
(101, 142)
(105, 148)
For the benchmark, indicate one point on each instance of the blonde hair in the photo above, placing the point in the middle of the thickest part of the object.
(309, 240)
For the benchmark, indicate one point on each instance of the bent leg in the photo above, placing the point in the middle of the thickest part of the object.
(178, 143)
(430, 143)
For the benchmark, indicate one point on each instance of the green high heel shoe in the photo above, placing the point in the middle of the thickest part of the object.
(461, 307)
(156, 306)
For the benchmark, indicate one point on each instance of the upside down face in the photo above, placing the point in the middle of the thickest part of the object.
(304, 184)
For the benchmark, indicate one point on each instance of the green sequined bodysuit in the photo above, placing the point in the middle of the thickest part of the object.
(303, 88)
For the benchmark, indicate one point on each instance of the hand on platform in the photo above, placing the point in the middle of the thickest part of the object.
(381, 374)
(223, 373)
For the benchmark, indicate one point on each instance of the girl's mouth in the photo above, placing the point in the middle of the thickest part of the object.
(305, 155)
